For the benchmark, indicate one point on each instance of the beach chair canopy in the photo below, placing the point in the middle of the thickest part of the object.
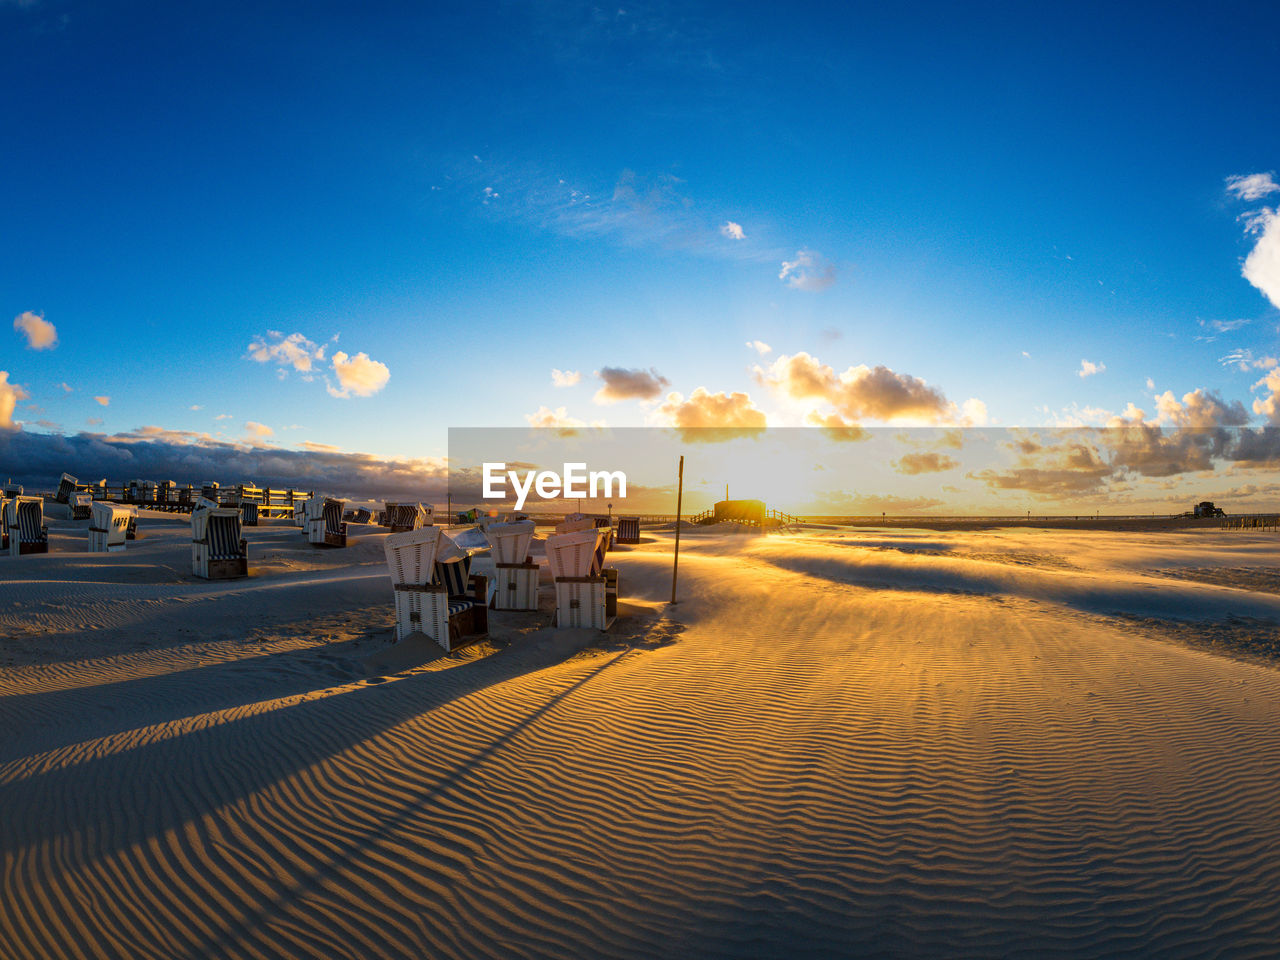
(509, 542)
(577, 554)
(411, 556)
(223, 534)
(575, 523)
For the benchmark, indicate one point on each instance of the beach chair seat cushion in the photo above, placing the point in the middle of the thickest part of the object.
(459, 604)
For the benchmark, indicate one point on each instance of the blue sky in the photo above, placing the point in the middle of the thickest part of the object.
(460, 199)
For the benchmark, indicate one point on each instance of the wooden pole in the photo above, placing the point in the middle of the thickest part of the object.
(675, 562)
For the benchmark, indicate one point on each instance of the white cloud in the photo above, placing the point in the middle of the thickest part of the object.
(294, 351)
(566, 378)
(1151, 384)
(1088, 368)
(1255, 186)
(706, 409)
(256, 429)
(733, 230)
(67, 387)
(623, 384)
(104, 401)
(1262, 266)
(559, 417)
(808, 271)
(975, 412)
(40, 333)
(358, 375)
(10, 394)
(196, 406)
(224, 416)
(760, 347)
(860, 392)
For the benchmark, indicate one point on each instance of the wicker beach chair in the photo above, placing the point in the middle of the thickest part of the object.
(628, 530)
(66, 487)
(403, 517)
(27, 530)
(516, 574)
(325, 527)
(218, 552)
(586, 591)
(249, 513)
(432, 597)
(109, 526)
(80, 504)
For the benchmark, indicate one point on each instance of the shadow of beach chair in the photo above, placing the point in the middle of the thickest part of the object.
(218, 552)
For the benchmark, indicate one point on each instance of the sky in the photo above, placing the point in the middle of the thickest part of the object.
(282, 228)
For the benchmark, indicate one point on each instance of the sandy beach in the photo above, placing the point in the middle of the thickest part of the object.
(870, 742)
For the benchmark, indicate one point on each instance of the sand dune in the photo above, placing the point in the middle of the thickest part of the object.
(839, 743)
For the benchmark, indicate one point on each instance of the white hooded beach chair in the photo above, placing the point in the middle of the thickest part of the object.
(217, 550)
(249, 513)
(300, 515)
(109, 526)
(324, 522)
(12, 489)
(27, 531)
(575, 524)
(628, 530)
(586, 592)
(444, 601)
(80, 504)
(516, 573)
(4, 525)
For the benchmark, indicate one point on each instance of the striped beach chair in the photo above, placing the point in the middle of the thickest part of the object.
(66, 487)
(325, 527)
(402, 517)
(80, 504)
(432, 597)
(249, 513)
(586, 591)
(27, 531)
(628, 530)
(218, 552)
(109, 526)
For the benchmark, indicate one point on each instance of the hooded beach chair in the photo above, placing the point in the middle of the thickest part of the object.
(300, 515)
(27, 531)
(403, 517)
(628, 530)
(217, 550)
(324, 522)
(441, 600)
(361, 515)
(586, 591)
(575, 524)
(249, 513)
(66, 487)
(12, 489)
(4, 525)
(80, 504)
(109, 526)
(516, 574)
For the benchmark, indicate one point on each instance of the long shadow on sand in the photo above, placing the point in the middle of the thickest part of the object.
(215, 766)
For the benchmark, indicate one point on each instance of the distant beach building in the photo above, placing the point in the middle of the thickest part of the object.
(1206, 509)
(744, 511)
